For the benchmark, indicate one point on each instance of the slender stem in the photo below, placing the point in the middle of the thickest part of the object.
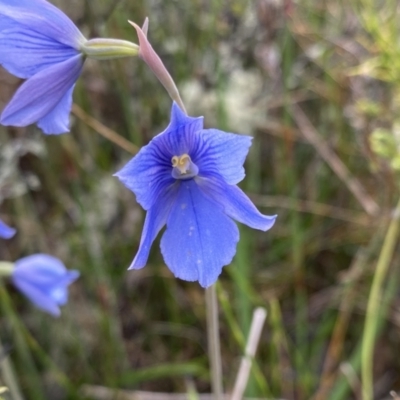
(214, 348)
(374, 301)
(6, 268)
(9, 377)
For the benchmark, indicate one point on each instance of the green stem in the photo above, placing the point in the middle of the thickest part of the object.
(214, 348)
(6, 268)
(374, 301)
(9, 377)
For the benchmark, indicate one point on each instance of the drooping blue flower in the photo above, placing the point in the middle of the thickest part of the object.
(38, 42)
(44, 280)
(186, 178)
(6, 232)
(41, 44)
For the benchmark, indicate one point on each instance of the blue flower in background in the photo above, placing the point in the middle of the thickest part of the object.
(41, 44)
(43, 279)
(6, 232)
(186, 179)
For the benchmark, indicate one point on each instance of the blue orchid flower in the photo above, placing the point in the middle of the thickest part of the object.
(6, 232)
(38, 42)
(186, 178)
(43, 279)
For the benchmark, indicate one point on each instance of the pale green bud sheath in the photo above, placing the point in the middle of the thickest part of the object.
(6, 268)
(105, 49)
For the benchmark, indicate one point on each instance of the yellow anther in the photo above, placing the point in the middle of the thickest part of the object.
(182, 163)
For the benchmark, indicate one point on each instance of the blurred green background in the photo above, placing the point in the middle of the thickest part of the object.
(317, 84)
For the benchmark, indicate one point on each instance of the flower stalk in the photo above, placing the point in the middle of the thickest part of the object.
(106, 49)
(374, 300)
(214, 348)
(6, 268)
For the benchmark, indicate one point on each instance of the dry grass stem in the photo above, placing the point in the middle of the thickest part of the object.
(257, 324)
(103, 130)
(340, 169)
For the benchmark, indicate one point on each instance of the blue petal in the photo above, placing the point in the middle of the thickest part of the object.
(44, 280)
(148, 174)
(37, 297)
(179, 118)
(6, 232)
(39, 95)
(40, 269)
(235, 203)
(224, 153)
(155, 220)
(59, 293)
(181, 136)
(42, 17)
(57, 120)
(24, 52)
(200, 239)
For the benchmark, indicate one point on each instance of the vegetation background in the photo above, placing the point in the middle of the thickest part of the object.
(316, 83)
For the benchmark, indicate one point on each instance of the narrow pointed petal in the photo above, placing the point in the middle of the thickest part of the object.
(155, 220)
(181, 135)
(6, 232)
(200, 239)
(148, 175)
(151, 58)
(39, 95)
(57, 120)
(235, 203)
(224, 154)
(42, 17)
(24, 52)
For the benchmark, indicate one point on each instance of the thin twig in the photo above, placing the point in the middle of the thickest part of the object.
(214, 348)
(330, 157)
(103, 130)
(257, 324)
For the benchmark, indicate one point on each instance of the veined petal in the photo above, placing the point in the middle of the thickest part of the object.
(37, 297)
(235, 203)
(24, 52)
(148, 175)
(155, 220)
(200, 239)
(223, 153)
(39, 95)
(6, 232)
(149, 172)
(57, 120)
(181, 135)
(44, 18)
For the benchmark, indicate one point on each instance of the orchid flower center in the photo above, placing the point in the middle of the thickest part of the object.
(183, 167)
